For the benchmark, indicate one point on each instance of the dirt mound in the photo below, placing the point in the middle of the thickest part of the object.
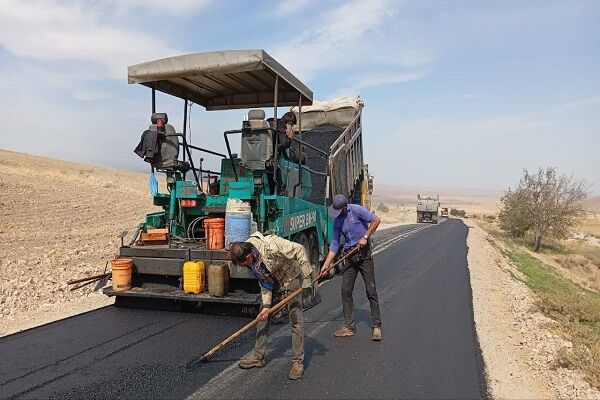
(59, 221)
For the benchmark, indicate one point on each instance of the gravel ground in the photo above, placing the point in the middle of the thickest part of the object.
(59, 221)
(519, 351)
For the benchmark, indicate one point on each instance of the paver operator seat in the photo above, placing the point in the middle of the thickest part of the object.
(167, 159)
(257, 142)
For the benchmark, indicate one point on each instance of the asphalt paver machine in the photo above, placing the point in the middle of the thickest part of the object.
(263, 175)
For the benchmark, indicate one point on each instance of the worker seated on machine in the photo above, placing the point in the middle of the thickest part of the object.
(285, 136)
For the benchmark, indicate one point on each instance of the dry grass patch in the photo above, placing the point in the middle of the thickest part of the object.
(592, 253)
(576, 311)
(582, 267)
(578, 260)
(591, 225)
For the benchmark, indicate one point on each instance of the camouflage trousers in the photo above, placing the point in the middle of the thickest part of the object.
(296, 323)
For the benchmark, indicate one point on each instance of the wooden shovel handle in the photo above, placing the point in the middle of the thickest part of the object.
(89, 278)
(275, 309)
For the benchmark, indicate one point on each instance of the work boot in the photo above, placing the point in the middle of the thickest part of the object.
(252, 360)
(377, 334)
(344, 331)
(296, 371)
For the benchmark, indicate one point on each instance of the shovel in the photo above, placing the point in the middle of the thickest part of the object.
(254, 322)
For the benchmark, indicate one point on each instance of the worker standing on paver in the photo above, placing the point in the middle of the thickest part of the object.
(357, 224)
(279, 265)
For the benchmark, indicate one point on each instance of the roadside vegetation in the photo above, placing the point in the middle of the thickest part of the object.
(383, 208)
(458, 213)
(575, 309)
(575, 259)
(530, 230)
(544, 205)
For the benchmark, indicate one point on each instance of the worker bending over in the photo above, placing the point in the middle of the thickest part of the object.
(357, 224)
(279, 265)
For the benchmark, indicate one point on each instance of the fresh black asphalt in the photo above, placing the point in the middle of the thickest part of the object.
(429, 347)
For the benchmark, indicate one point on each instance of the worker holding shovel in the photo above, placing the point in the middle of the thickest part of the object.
(279, 265)
(356, 224)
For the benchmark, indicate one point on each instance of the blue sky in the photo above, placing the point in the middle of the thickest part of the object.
(458, 94)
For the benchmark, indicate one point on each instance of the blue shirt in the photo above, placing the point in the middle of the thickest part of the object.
(353, 225)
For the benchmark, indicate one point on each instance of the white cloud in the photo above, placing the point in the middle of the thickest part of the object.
(162, 7)
(289, 7)
(574, 105)
(369, 41)
(377, 79)
(358, 82)
(339, 40)
(86, 31)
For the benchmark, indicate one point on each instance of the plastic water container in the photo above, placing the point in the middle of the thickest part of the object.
(238, 221)
(194, 279)
(218, 280)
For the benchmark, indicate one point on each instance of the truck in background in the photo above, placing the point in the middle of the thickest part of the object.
(427, 208)
(444, 213)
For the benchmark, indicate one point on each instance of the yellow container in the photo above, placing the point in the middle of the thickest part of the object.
(194, 280)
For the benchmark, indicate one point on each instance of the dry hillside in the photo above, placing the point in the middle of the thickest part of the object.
(58, 221)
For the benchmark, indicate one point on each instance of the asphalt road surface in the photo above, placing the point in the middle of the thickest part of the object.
(429, 348)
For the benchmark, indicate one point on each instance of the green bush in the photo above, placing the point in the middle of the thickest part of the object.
(458, 213)
(383, 208)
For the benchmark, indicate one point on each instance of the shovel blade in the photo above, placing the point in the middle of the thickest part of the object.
(101, 283)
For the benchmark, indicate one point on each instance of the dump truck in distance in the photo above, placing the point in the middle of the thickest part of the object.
(270, 190)
(427, 208)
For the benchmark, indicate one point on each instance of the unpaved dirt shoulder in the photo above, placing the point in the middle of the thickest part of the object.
(60, 221)
(53, 312)
(519, 351)
(504, 348)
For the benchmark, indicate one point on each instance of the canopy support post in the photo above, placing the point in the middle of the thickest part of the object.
(153, 100)
(299, 154)
(275, 142)
(185, 107)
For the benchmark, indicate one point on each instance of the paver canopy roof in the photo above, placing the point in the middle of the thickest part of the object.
(222, 80)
